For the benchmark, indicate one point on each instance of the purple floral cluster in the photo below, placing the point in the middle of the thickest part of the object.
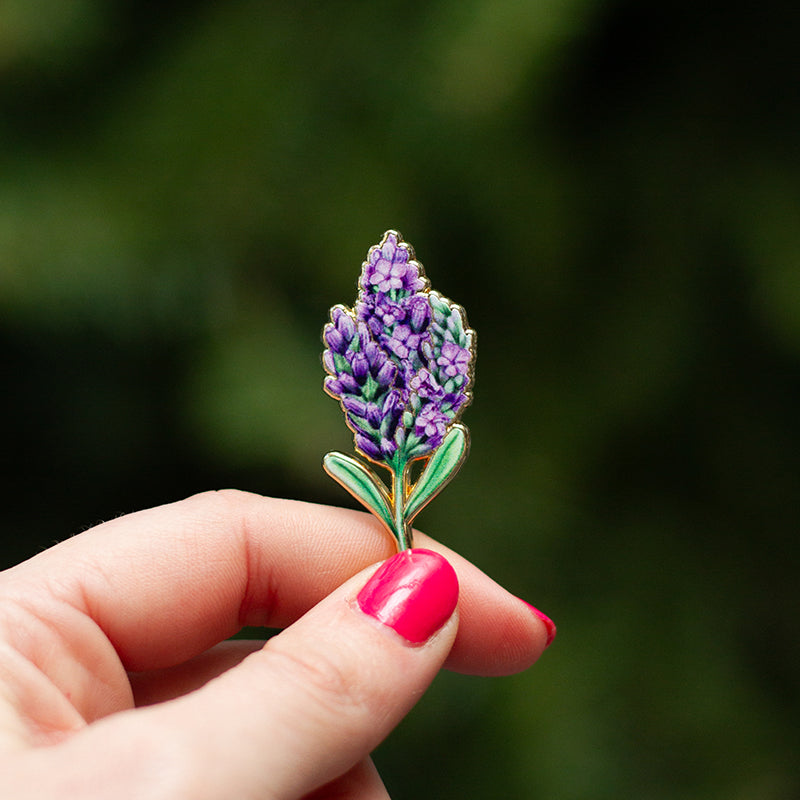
(400, 362)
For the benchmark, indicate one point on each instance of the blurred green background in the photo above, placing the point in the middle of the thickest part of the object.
(611, 189)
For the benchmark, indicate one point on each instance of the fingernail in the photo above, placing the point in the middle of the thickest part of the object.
(548, 624)
(415, 592)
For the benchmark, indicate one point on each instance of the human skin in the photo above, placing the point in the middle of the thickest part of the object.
(116, 679)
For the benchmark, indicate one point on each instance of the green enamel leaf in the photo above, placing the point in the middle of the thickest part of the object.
(361, 483)
(440, 470)
(340, 362)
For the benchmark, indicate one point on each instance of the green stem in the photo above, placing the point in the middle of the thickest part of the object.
(402, 531)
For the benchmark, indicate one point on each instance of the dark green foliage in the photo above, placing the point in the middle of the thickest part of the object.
(612, 191)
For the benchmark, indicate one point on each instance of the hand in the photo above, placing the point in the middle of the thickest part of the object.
(113, 681)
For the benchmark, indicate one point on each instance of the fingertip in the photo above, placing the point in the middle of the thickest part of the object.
(549, 625)
(415, 593)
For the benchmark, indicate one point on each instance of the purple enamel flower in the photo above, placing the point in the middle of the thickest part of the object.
(404, 341)
(454, 360)
(390, 268)
(424, 386)
(400, 361)
(430, 425)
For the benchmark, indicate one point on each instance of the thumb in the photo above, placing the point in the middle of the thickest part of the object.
(308, 706)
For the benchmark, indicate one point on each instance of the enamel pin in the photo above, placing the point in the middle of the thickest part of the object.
(401, 364)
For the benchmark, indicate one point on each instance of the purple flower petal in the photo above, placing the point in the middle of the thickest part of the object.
(397, 343)
(348, 383)
(386, 374)
(453, 360)
(391, 412)
(367, 447)
(346, 326)
(334, 339)
(333, 386)
(420, 313)
(373, 415)
(375, 357)
(360, 367)
(431, 424)
(355, 406)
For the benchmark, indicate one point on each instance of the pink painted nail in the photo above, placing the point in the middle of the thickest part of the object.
(548, 624)
(415, 592)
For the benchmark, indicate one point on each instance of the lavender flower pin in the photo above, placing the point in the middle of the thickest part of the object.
(401, 364)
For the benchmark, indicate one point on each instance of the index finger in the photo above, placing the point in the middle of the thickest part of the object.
(167, 583)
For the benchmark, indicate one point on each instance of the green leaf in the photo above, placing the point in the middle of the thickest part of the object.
(341, 364)
(361, 483)
(370, 388)
(440, 470)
